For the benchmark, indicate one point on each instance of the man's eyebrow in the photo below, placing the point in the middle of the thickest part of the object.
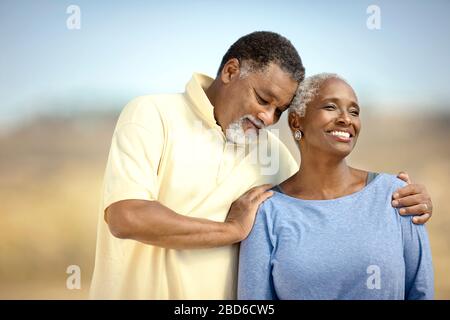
(266, 92)
(257, 91)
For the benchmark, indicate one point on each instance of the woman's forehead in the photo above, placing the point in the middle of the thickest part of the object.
(337, 89)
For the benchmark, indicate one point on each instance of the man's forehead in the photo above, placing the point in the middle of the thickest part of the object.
(276, 87)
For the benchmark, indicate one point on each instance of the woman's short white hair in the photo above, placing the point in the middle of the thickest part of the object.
(308, 90)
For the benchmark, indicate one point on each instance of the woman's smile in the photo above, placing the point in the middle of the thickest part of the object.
(340, 136)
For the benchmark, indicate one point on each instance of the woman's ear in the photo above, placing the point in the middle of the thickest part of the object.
(230, 70)
(295, 122)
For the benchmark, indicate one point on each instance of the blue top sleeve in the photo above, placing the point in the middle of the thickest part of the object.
(255, 271)
(419, 279)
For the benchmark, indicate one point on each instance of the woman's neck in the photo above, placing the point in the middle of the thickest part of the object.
(321, 178)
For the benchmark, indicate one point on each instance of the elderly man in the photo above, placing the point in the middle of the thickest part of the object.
(175, 203)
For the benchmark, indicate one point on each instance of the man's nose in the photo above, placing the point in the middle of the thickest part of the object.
(268, 117)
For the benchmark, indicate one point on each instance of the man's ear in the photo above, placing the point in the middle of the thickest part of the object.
(295, 122)
(230, 70)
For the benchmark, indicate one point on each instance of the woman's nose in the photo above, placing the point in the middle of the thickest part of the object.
(344, 119)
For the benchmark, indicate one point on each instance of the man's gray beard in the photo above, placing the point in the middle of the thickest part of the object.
(236, 134)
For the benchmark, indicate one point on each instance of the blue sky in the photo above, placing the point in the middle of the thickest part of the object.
(129, 48)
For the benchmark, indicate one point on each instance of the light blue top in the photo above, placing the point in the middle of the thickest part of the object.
(353, 247)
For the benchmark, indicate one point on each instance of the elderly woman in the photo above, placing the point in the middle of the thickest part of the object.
(330, 231)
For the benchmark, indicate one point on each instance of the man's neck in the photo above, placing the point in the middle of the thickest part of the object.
(212, 92)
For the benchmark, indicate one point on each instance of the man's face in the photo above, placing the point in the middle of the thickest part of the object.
(254, 101)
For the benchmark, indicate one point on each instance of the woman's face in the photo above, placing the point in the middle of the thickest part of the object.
(331, 123)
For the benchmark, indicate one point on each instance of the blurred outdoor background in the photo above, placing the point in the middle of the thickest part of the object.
(62, 89)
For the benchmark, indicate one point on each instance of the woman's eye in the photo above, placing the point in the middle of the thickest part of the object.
(354, 113)
(329, 107)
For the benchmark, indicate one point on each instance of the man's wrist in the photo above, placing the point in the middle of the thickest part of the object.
(231, 233)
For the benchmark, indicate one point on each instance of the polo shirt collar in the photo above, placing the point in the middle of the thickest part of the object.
(195, 90)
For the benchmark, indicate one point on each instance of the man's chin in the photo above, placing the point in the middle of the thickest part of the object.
(252, 133)
(249, 137)
(239, 133)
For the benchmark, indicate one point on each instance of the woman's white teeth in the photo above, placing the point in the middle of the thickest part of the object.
(340, 134)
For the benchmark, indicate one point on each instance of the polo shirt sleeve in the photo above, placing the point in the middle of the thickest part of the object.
(135, 155)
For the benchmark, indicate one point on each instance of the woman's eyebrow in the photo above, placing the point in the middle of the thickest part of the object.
(337, 100)
(332, 99)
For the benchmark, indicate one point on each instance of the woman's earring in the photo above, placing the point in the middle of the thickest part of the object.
(298, 135)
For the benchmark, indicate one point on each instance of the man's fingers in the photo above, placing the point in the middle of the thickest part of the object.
(415, 210)
(421, 219)
(408, 190)
(409, 201)
(256, 191)
(263, 196)
(402, 175)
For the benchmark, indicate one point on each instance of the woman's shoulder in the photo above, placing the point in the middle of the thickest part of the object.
(388, 184)
(274, 213)
(278, 206)
(279, 198)
(389, 180)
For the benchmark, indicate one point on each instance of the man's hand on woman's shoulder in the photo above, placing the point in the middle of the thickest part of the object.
(413, 199)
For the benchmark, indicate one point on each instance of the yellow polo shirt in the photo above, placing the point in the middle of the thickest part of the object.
(169, 148)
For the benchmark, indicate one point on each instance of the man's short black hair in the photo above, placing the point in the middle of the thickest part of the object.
(260, 48)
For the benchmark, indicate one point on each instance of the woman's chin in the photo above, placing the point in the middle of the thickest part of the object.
(340, 151)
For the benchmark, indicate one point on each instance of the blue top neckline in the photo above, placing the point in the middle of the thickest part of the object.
(366, 188)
